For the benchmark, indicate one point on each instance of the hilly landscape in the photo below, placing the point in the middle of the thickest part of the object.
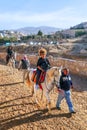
(66, 44)
(52, 30)
(82, 25)
(18, 110)
(34, 30)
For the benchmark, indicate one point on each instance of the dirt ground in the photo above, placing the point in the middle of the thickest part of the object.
(18, 110)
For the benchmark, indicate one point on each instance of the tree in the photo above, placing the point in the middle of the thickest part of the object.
(39, 33)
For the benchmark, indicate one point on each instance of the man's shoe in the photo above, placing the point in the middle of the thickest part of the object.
(72, 112)
(58, 108)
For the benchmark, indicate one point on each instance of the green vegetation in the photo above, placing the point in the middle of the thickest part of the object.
(79, 27)
(39, 33)
(80, 33)
(6, 39)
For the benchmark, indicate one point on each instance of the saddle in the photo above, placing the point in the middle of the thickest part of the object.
(41, 79)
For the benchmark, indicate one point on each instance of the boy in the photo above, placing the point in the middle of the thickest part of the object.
(42, 65)
(65, 84)
(10, 54)
(24, 64)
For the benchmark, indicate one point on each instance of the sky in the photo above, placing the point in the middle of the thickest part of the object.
(16, 14)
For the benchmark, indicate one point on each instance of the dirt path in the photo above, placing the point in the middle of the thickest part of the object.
(19, 112)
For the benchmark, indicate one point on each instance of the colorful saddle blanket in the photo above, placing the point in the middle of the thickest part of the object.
(41, 79)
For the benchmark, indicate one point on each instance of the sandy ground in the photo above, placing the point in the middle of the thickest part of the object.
(18, 110)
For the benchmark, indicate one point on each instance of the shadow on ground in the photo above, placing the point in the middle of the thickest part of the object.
(33, 116)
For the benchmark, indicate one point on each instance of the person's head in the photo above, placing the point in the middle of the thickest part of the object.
(10, 47)
(42, 52)
(25, 57)
(65, 71)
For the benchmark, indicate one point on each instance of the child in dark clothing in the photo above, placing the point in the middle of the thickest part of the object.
(24, 64)
(42, 65)
(65, 84)
(10, 53)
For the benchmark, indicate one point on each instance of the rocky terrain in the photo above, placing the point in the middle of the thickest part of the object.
(18, 110)
(67, 50)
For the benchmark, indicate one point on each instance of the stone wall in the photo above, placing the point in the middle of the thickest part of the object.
(77, 67)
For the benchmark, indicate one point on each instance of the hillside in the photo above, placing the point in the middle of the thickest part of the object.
(18, 109)
(76, 31)
(68, 50)
(34, 30)
(82, 25)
